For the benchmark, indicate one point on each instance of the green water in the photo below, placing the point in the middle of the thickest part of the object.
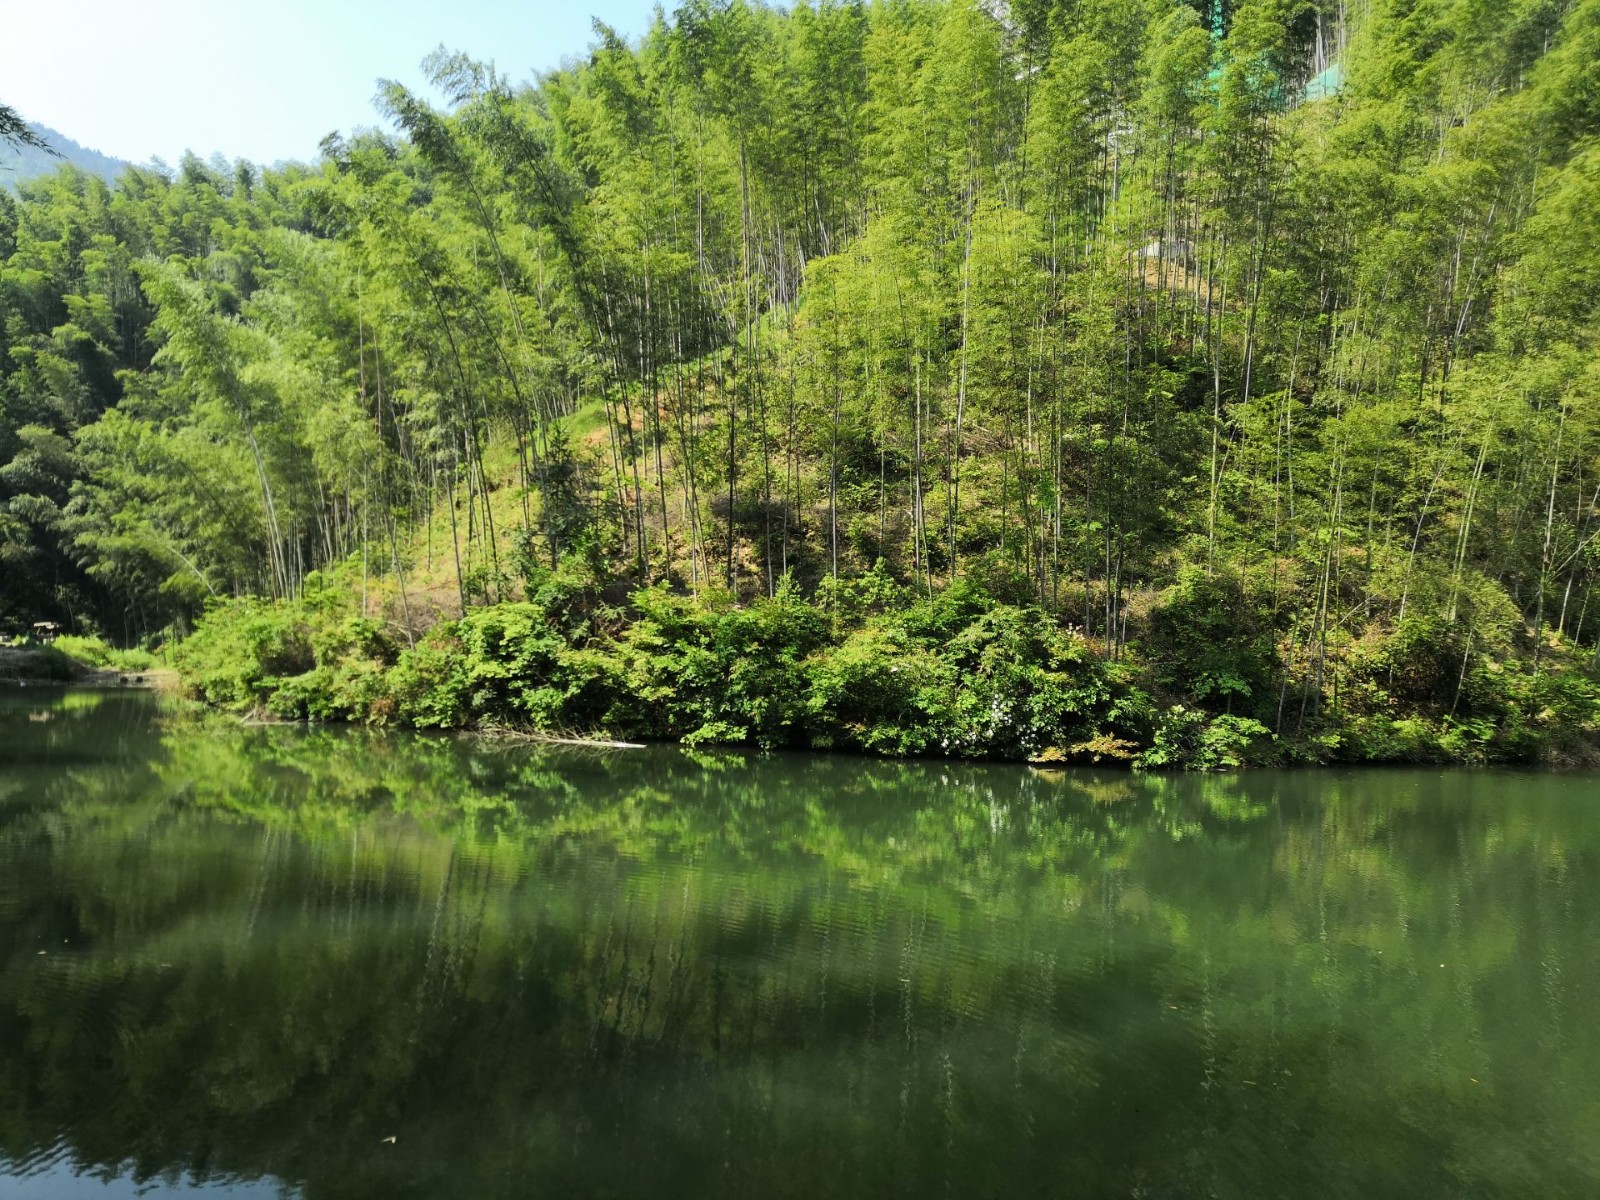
(240, 959)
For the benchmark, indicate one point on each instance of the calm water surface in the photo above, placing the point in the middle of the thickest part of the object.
(262, 962)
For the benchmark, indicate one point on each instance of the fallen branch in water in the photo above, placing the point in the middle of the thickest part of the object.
(504, 733)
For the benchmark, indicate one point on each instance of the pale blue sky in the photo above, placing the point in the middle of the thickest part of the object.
(263, 80)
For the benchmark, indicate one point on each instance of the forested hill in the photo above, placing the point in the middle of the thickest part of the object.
(18, 163)
(1253, 341)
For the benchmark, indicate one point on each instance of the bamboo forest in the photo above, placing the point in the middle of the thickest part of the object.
(1073, 380)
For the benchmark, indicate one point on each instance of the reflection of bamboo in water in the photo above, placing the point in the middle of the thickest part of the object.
(634, 992)
(947, 1114)
(258, 889)
(350, 890)
(626, 974)
(949, 1015)
(1109, 900)
(1328, 960)
(647, 978)
(1551, 1036)
(780, 992)
(971, 949)
(669, 1029)
(1033, 996)
(877, 926)
(752, 999)
(716, 1000)
(601, 972)
(469, 929)
(1210, 1063)
(430, 966)
(1458, 940)
(910, 962)
(1043, 1002)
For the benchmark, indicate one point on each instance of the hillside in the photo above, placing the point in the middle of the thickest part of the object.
(1246, 350)
(18, 163)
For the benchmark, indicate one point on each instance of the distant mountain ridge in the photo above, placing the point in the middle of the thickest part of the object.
(18, 163)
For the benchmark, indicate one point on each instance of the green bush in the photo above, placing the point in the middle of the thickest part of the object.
(1186, 737)
(708, 673)
(877, 691)
(242, 649)
(957, 674)
(1206, 640)
(96, 653)
(428, 686)
(1018, 683)
(872, 667)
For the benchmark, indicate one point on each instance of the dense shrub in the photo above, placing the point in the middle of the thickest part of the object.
(1208, 640)
(242, 650)
(717, 673)
(1187, 737)
(879, 691)
(873, 666)
(95, 652)
(1019, 683)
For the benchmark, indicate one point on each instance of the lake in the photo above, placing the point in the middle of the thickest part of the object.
(344, 963)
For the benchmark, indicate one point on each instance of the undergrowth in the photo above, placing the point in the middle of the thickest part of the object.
(871, 666)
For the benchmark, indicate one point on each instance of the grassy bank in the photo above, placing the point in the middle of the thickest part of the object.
(71, 660)
(871, 666)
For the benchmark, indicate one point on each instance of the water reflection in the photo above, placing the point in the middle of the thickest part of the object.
(251, 954)
(59, 1178)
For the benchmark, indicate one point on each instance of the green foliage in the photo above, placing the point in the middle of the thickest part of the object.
(1208, 639)
(95, 652)
(716, 673)
(877, 691)
(956, 676)
(1016, 683)
(243, 649)
(923, 377)
(428, 686)
(1189, 738)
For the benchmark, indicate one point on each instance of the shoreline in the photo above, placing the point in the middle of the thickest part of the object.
(510, 736)
(45, 666)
